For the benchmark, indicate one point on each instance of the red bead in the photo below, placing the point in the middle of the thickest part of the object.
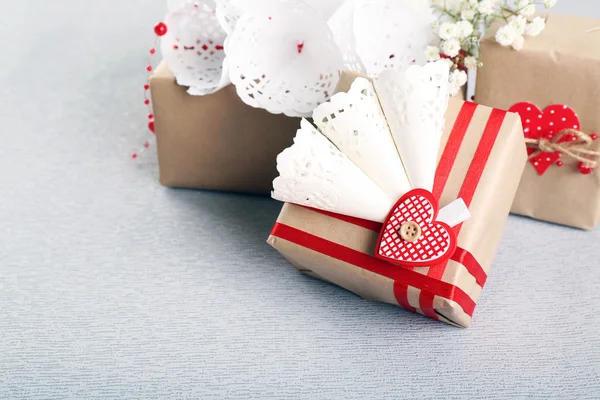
(160, 29)
(593, 136)
(300, 47)
(152, 51)
(146, 144)
(134, 156)
(151, 126)
(146, 86)
(150, 116)
(217, 47)
(149, 68)
(146, 102)
(584, 169)
(559, 163)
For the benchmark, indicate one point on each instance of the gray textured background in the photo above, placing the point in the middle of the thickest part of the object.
(114, 287)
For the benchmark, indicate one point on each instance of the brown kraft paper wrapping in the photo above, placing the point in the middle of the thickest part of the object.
(215, 142)
(561, 66)
(480, 235)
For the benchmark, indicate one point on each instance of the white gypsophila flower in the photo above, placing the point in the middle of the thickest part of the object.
(518, 42)
(522, 4)
(549, 3)
(518, 22)
(470, 62)
(451, 47)
(535, 27)
(448, 31)
(525, 7)
(457, 80)
(467, 15)
(454, 6)
(465, 28)
(486, 7)
(432, 53)
(438, 3)
(460, 77)
(528, 11)
(506, 35)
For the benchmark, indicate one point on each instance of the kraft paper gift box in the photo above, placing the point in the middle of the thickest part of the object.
(216, 141)
(559, 67)
(481, 161)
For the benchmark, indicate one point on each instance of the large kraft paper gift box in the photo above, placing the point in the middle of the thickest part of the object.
(559, 67)
(216, 141)
(481, 161)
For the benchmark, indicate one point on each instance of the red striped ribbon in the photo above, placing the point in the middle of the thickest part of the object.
(469, 186)
(370, 263)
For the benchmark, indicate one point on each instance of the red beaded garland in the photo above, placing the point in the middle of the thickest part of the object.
(160, 29)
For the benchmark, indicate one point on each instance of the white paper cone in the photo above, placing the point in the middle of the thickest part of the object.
(314, 173)
(414, 103)
(355, 123)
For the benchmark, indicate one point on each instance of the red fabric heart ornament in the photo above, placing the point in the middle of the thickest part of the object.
(411, 237)
(547, 124)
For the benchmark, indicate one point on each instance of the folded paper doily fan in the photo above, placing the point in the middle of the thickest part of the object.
(372, 154)
(370, 146)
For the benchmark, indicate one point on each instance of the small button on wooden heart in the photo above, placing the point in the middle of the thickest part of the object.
(410, 231)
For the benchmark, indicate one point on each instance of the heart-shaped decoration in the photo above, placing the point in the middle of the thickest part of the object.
(547, 124)
(411, 237)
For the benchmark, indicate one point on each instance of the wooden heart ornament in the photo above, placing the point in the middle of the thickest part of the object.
(546, 124)
(411, 236)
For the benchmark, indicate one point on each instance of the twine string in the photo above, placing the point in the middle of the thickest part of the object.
(576, 149)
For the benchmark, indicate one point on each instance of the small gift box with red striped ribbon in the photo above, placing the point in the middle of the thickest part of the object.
(430, 261)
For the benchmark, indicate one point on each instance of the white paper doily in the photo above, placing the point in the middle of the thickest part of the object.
(383, 33)
(355, 123)
(193, 46)
(282, 57)
(314, 173)
(414, 103)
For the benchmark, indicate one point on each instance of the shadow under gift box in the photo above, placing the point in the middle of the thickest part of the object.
(481, 161)
(216, 141)
(560, 66)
